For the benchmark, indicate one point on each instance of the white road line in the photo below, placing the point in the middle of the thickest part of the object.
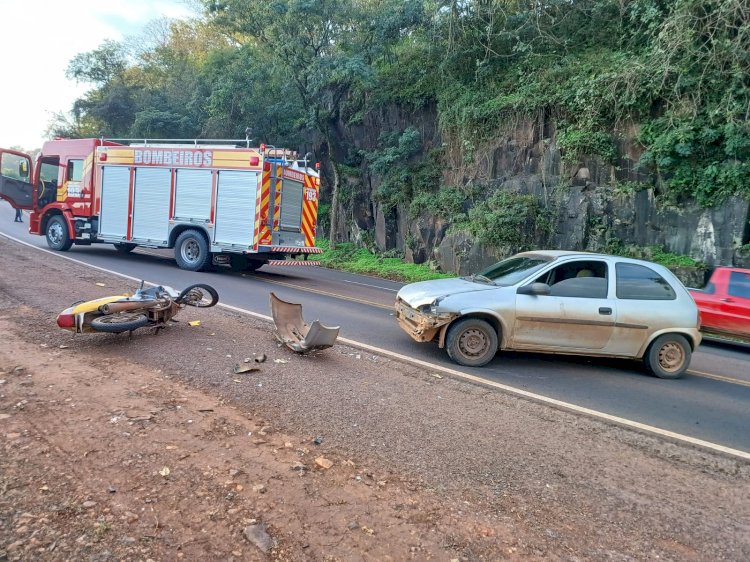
(458, 374)
(368, 285)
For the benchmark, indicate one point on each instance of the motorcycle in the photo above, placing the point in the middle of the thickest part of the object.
(153, 307)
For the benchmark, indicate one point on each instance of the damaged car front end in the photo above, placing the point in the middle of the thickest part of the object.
(424, 323)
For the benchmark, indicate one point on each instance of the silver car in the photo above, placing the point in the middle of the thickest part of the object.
(558, 302)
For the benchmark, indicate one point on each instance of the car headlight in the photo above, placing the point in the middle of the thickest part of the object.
(432, 308)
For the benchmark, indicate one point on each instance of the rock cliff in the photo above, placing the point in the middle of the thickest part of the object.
(590, 204)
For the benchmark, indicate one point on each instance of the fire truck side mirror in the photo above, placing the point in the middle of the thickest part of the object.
(23, 168)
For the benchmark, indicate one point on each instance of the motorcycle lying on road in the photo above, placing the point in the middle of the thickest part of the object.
(153, 307)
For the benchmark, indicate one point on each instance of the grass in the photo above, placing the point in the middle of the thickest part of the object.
(656, 255)
(348, 257)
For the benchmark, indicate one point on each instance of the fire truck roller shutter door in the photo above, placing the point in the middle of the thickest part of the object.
(291, 205)
(114, 206)
(193, 194)
(151, 204)
(235, 207)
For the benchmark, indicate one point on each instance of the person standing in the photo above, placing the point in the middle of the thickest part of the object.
(19, 216)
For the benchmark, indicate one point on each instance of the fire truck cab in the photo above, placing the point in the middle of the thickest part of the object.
(212, 203)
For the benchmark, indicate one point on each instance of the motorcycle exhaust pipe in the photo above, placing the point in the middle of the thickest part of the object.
(125, 306)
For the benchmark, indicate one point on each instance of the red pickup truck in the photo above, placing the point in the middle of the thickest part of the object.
(724, 303)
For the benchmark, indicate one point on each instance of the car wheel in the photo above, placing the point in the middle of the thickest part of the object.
(471, 342)
(57, 234)
(191, 251)
(668, 356)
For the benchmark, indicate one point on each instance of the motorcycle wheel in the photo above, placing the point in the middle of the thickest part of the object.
(199, 295)
(119, 322)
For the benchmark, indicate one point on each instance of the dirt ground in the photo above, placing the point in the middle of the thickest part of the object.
(152, 448)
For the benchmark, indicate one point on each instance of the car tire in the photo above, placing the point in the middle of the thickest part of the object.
(57, 234)
(471, 342)
(191, 251)
(668, 356)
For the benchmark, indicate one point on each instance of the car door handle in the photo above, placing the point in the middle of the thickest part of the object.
(726, 300)
(605, 310)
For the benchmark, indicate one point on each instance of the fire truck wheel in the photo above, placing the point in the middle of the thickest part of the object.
(57, 234)
(124, 247)
(191, 251)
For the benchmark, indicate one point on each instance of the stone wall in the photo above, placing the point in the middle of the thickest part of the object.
(587, 198)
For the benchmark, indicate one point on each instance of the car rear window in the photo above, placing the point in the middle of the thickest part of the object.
(739, 284)
(642, 283)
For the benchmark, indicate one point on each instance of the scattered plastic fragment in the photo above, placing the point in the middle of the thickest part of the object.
(194, 323)
(245, 368)
(292, 330)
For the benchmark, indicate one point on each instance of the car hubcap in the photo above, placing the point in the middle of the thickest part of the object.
(190, 251)
(671, 357)
(473, 343)
(55, 233)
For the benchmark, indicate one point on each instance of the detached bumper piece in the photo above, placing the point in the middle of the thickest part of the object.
(292, 331)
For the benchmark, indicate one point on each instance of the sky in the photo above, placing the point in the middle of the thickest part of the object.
(38, 38)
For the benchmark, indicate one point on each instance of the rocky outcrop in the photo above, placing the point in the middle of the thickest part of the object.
(593, 203)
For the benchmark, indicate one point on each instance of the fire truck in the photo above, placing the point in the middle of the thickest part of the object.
(212, 203)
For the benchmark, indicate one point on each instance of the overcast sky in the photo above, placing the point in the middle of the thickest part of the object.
(38, 38)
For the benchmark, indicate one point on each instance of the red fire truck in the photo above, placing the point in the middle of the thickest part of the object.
(212, 203)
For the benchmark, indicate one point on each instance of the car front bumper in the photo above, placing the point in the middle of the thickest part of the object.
(420, 326)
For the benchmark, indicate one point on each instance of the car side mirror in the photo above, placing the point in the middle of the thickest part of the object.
(23, 169)
(534, 289)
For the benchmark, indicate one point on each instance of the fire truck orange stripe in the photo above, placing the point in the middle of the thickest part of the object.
(265, 235)
(235, 156)
(256, 232)
(308, 222)
(277, 206)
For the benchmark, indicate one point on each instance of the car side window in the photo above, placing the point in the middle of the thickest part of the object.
(579, 279)
(639, 282)
(739, 284)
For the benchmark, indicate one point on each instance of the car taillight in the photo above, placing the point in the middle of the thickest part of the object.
(66, 320)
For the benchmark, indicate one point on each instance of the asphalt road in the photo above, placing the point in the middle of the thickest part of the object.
(711, 403)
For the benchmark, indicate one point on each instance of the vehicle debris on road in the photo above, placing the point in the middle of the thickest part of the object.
(292, 330)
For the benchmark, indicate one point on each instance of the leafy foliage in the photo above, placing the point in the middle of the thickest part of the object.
(402, 175)
(293, 70)
(655, 254)
(509, 221)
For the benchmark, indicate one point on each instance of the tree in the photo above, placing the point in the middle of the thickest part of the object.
(324, 49)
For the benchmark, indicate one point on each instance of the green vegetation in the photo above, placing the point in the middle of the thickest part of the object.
(348, 257)
(322, 74)
(655, 254)
(509, 221)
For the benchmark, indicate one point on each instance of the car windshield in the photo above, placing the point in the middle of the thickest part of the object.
(511, 270)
